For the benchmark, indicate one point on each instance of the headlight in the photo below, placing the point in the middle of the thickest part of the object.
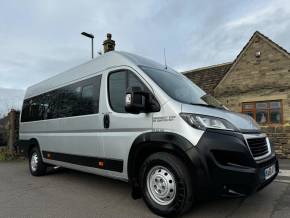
(203, 122)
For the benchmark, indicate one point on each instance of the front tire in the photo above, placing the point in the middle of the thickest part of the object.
(36, 165)
(166, 185)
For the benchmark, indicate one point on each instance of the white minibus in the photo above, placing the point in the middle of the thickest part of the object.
(129, 118)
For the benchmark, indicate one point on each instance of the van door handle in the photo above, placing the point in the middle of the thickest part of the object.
(106, 121)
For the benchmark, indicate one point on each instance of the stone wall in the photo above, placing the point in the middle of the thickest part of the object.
(280, 138)
(251, 73)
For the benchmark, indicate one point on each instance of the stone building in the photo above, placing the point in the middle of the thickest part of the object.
(256, 83)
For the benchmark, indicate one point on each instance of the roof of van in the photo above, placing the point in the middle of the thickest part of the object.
(99, 64)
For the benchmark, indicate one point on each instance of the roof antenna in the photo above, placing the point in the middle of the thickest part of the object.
(165, 59)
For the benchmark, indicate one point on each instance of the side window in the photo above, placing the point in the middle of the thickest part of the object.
(25, 116)
(87, 100)
(68, 101)
(81, 98)
(42, 112)
(118, 83)
(34, 109)
(117, 89)
(75, 100)
(88, 92)
(134, 81)
(52, 101)
(90, 95)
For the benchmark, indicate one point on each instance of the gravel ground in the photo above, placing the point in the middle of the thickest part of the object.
(68, 193)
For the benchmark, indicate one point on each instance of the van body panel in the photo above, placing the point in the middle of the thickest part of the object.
(124, 128)
(80, 135)
(168, 120)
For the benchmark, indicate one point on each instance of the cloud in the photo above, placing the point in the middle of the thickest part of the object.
(273, 12)
(225, 37)
(39, 39)
(10, 99)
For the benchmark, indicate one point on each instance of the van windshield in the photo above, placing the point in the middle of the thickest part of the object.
(180, 88)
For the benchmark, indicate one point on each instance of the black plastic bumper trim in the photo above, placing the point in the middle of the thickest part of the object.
(223, 161)
(95, 162)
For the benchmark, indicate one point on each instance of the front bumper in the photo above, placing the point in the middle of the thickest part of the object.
(224, 165)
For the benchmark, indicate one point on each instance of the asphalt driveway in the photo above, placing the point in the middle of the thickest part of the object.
(68, 193)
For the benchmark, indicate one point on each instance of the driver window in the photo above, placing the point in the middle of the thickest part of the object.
(118, 83)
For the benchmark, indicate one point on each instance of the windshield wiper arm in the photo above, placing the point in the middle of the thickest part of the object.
(206, 105)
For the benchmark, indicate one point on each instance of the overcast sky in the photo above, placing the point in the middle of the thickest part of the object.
(39, 39)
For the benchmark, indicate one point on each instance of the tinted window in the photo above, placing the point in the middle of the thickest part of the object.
(87, 102)
(25, 111)
(52, 101)
(119, 82)
(77, 99)
(35, 108)
(117, 89)
(68, 102)
(134, 81)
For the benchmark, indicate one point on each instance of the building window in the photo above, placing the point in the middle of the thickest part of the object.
(264, 112)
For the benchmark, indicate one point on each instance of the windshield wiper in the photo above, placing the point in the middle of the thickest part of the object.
(207, 105)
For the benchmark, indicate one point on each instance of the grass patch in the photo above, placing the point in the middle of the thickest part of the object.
(6, 155)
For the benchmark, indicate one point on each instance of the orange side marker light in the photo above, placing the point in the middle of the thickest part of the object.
(101, 163)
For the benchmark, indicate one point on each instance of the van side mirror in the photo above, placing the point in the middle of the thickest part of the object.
(137, 101)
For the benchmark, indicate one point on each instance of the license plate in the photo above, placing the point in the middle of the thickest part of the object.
(270, 171)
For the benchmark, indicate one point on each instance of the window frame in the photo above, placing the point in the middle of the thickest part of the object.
(268, 110)
(127, 84)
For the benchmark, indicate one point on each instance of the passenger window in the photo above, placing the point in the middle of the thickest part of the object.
(25, 116)
(43, 106)
(68, 101)
(77, 99)
(52, 101)
(34, 109)
(87, 101)
(87, 92)
(118, 84)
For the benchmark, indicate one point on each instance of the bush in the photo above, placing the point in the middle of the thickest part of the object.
(5, 154)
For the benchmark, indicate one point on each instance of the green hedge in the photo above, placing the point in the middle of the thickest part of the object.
(5, 154)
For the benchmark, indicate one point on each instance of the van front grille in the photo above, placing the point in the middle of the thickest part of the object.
(258, 146)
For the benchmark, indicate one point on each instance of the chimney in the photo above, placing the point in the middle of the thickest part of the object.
(109, 44)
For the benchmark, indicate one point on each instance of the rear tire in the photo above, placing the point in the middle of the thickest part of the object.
(166, 185)
(36, 165)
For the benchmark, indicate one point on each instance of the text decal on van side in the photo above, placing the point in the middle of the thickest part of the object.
(163, 119)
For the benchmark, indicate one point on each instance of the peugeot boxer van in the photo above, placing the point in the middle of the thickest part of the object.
(129, 118)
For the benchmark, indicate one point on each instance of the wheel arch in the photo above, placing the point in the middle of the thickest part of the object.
(27, 145)
(152, 142)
